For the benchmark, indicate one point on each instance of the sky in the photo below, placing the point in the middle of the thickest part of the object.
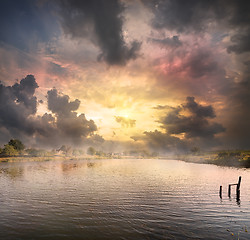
(162, 76)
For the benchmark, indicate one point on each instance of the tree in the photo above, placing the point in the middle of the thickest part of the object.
(9, 150)
(91, 151)
(17, 144)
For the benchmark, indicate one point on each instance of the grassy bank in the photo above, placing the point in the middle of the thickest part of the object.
(43, 159)
(239, 158)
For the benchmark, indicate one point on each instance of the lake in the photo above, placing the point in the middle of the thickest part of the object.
(122, 199)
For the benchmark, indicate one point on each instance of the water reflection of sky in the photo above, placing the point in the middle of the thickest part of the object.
(122, 198)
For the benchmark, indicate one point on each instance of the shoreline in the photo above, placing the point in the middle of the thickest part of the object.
(43, 159)
(212, 159)
(199, 159)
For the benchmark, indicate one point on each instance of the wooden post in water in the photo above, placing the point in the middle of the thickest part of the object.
(238, 185)
(238, 190)
(229, 190)
(220, 191)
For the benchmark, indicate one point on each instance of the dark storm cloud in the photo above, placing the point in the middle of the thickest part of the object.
(125, 122)
(18, 119)
(196, 16)
(168, 42)
(187, 125)
(240, 42)
(181, 15)
(196, 124)
(102, 23)
(25, 92)
(60, 104)
(68, 123)
(197, 109)
(17, 103)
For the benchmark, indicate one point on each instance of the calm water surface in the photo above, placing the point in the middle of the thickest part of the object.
(121, 199)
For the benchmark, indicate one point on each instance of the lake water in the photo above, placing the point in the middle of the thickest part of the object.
(121, 199)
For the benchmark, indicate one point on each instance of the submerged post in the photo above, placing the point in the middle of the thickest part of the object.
(220, 191)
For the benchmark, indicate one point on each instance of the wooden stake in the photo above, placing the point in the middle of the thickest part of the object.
(238, 185)
(237, 189)
(220, 191)
(229, 190)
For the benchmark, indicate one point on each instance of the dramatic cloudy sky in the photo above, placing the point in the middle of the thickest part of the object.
(132, 74)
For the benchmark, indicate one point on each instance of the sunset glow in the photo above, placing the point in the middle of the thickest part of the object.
(142, 71)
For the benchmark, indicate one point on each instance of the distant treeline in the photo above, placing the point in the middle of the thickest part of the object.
(15, 148)
(235, 158)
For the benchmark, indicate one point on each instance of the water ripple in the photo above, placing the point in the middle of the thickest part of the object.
(121, 199)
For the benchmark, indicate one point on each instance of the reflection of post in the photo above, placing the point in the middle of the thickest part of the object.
(238, 195)
(220, 191)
